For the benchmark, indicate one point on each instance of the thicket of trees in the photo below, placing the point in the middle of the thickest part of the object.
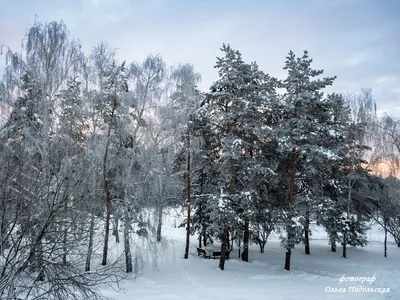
(92, 144)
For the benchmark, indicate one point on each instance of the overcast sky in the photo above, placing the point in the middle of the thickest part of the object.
(357, 40)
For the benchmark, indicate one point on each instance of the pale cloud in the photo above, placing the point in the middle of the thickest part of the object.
(387, 79)
(357, 59)
(396, 91)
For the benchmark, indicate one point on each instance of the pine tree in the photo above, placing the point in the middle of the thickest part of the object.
(308, 126)
(235, 107)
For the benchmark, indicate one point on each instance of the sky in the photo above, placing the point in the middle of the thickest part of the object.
(356, 40)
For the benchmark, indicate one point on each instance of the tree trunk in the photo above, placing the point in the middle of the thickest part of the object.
(245, 254)
(90, 247)
(345, 233)
(332, 238)
(40, 264)
(162, 202)
(116, 227)
(91, 234)
(199, 212)
(262, 245)
(287, 259)
(385, 242)
(293, 178)
(3, 226)
(239, 247)
(205, 235)
(306, 233)
(65, 237)
(127, 246)
(232, 239)
(108, 203)
(225, 242)
(188, 203)
(160, 215)
(291, 203)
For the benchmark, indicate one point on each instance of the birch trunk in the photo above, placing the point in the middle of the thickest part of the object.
(90, 246)
(127, 245)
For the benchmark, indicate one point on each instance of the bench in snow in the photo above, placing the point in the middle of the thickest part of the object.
(210, 253)
(216, 254)
(202, 252)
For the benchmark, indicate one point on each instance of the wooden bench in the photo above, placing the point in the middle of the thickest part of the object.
(202, 252)
(216, 254)
(209, 254)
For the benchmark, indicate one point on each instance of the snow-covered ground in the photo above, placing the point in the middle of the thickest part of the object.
(321, 275)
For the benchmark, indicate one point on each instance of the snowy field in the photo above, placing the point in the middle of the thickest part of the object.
(321, 275)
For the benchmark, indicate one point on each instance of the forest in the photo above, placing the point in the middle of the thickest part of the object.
(94, 149)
